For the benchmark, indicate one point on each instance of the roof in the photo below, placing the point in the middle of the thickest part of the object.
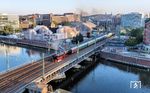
(89, 24)
(147, 20)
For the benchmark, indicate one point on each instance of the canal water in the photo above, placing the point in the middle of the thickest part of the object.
(12, 57)
(108, 77)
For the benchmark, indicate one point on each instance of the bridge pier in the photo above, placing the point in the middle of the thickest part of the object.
(38, 88)
(88, 59)
(60, 76)
(77, 66)
(91, 55)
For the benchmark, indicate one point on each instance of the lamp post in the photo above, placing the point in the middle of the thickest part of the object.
(95, 44)
(78, 49)
(49, 43)
(43, 66)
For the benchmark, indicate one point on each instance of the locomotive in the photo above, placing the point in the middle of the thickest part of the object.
(60, 56)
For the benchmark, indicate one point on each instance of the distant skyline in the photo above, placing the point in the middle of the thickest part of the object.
(62, 6)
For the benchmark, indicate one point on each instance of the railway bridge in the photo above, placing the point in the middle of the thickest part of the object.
(36, 75)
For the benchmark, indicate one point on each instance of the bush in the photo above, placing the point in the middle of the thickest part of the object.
(131, 42)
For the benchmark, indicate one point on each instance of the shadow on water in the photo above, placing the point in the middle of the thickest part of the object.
(120, 71)
(74, 75)
(144, 74)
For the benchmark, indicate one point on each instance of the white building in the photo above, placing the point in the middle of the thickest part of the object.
(6, 19)
(42, 33)
(131, 20)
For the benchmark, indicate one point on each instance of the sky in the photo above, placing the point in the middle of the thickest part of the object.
(61, 6)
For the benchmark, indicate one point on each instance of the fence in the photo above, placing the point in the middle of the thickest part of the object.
(137, 61)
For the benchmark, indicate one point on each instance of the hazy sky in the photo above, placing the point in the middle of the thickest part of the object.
(60, 6)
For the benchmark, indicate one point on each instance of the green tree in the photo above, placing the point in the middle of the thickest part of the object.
(136, 37)
(77, 38)
(131, 42)
(8, 29)
(136, 32)
(66, 24)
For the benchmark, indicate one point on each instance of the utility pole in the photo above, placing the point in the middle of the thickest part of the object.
(95, 44)
(43, 66)
(78, 49)
(49, 43)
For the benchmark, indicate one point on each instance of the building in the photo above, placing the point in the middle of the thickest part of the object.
(146, 37)
(117, 20)
(131, 20)
(66, 17)
(104, 22)
(147, 32)
(27, 21)
(72, 17)
(43, 19)
(6, 19)
(57, 19)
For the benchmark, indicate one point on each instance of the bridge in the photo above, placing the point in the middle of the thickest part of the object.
(36, 75)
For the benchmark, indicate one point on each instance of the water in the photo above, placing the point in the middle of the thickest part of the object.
(12, 56)
(113, 78)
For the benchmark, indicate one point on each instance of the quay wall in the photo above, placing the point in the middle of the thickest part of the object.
(35, 43)
(134, 61)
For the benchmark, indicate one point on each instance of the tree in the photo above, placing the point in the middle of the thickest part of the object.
(66, 24)
(131, 42)
(8, 29)
(77, 38)
(136, 37)
(136, 32)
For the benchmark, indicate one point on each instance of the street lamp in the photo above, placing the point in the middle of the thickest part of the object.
(43, 66)
(49, 43)
(78, 49)
(95, 44)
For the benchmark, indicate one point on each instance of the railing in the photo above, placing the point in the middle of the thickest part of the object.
(126, 59)
(62, 67)
(69, 64)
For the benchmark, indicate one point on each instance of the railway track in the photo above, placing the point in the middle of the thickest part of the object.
(19, 78)
(25, 79)
(16, 71)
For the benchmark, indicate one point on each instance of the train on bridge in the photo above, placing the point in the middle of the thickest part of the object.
(60, 56)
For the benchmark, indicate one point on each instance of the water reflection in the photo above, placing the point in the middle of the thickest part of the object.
(32, 52)
(144, 74)
(11, 50)
(12, 56)
(110, 77)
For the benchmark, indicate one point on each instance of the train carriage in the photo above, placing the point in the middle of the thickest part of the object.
(82, 46)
